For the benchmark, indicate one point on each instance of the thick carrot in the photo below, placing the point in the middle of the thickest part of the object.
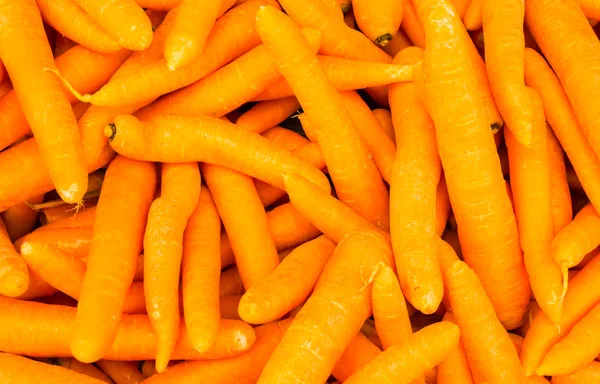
(71, 21)
(267, 114)
(359, 352)
(201, 273)
(385, 120)
(488, 230)
(21, 219)
(232, 36)
(455, 368)
(25, 52)
(208, 140)
(413, 184)
(379, 20)
(163, 245)
(230, 282)
(588, 374)
(569, 34)
(89, 370)
(121, 372)
(288, 285)
(314, 342)
(125, 199)
(14, 276)
(504, 57)
(562, 120)
(412, 26)
(21, 370)
(473, 17)
(389, 309)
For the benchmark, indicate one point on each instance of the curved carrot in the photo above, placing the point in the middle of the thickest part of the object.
(21, 219)
(455, 368)
(127, 193)
(504, 57)
(408, 361)
(359, 352)
(201, 273)
(562, 207)
(470, 161)
(267, 114)
(208, 140)
(71, 21)
(288, 285)
(385, 120)
(314, 342)
(121, 372)
(14, 276)
(30, 65)
(473, 17)
(230, 283)
(378, 20)
(588, 374)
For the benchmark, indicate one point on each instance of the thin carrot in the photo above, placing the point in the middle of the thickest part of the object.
(83, 368)
(288, 285)
(121, 372)
(359, 352)
(473, 17)
(385, 120)
(475, 186)
(455, 368)
(378, 20)
(28, 59)
(14, 279)
(71, 21)
(21, 370)
(163, 244)
(208, 140)
(413, 184)
(230, 282)
(21, 219)
(389, 309)
(125, 199)
(504, 57)
(267, 114)
(562, 207)
(314, 342)
(412, 26)
(201, 273)
(406, 362)
(588, 374)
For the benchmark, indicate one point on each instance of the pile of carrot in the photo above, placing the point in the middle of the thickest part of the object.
(299, 191)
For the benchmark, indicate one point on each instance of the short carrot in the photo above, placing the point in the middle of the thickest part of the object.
(288, 285)
(121, 372)
(201, 273)
(208, 140)
(359, 352)
(562, 207)
(230, 282)
(88, 370)
(473, 17)
(125, 199)
(378, 20)
(588, 374)
(163, 245)
(385, 120)
(455, 368)
(21, 219)
(267, 114)
(14, 276)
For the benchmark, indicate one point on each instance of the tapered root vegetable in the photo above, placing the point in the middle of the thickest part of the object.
(379, 20)
(14, 276)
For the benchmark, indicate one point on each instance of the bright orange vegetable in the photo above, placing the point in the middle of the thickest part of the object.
(588, 374)
(378, 20)
(21, 219)
(121, 372)
(14, 276)
(267, 114)
(359, 352)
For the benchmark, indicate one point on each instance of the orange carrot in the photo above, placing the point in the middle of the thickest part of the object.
(230, 282)
(84, 218)
(288, 285)
(20, 219)
(591, 10)
(159, 5)
(461, 7)
(75, 241)
(85, 369)
(359, 352)
(412, 26)
(14, 279)
(397, 44)
(471, 165)
(29, 62)
(214, 141)
(125, 199)
(71, 21)
(455, 368)
(389, 309)
(121, 372)
(504, 57)
(385, 120)
(473, 17)
(267, 114)
(442, 207)
(562, 207)
(413, 184)
(285, 138)
(378, 20)
(588, 374)
(314, 342)
(200, 273)
(163, 244)
(334, 8)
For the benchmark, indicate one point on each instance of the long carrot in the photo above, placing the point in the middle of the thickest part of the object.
(14, 276)
(562, 207)
(18, 369)
(379, 20)
(201, 273)
(313, 342)
(71, 21)
(25, 52)
(21, 219)
(288, 285)
(532, 194)
(476, 186)
(413, 184)
(455, 368)
(208, 140)
(121, 372)
(359, 352)
(125, 199)
(267, 114)
(504, 57)
(163, 244)
(588, 374)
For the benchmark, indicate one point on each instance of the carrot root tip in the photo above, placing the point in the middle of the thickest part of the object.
(110, 131)
(70, 88)
(384, 39)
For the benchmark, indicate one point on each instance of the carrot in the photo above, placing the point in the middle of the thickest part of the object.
(230, 282)
(442, 207)
(210, 139)
(412, 26)
(562, 208)
(20, 219)
(475, 186)
(413, 184)
(232, 36)
(267, 114)
(159, 5)
(29, 62)
(125, 199)
(389, 309)
(591, 10)
(14, 276)
(121, 372)
(288, 285)
(379, 145)
(320, 332)
(532, 192)
(200, 273)
(398, 43)
(75, 241)
(504, 57)
(380, 20)
(455, 368)
(473, 17)
(562, 120)
(71, 21)
(359, 352)
(82, 368)
(285, 138)
(569, 25)
(334, 8)
(21, 370)
(588, 374)
(384, 117)
(461, 7)
(163, 244)
(83, 218)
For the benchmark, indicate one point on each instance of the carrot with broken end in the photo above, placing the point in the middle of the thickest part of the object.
(288, 285)
(21, 218)
(208, 140)
(14, 276)
(378, 20)
(455, 367)
(121, 372)
(562, 207)
(125, 199)
(267, 114)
